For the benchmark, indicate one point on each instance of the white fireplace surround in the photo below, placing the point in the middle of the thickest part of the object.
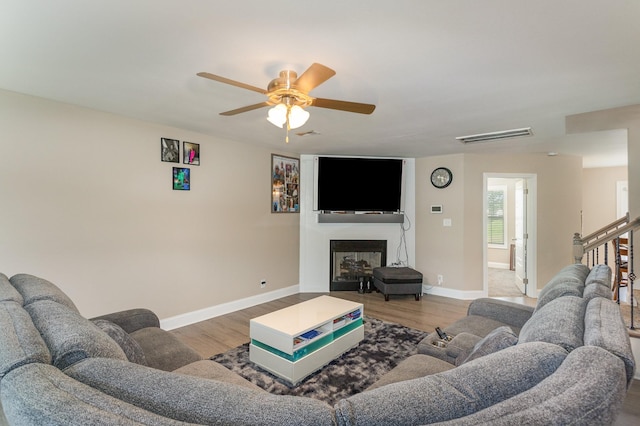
(315, 237)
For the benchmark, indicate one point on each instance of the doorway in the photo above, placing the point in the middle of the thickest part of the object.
(509, 241)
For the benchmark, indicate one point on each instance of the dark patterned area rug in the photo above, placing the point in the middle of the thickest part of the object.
(385, 344)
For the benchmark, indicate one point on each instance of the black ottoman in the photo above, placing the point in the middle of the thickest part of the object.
(390, 280)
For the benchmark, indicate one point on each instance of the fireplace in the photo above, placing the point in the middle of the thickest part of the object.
(352, 262)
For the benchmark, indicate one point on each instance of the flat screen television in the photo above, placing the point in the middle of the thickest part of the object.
(348, 184)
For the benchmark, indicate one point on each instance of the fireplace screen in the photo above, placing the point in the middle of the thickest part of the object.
(352, 262)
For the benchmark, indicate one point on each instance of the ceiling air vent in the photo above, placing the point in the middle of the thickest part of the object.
(492, 136)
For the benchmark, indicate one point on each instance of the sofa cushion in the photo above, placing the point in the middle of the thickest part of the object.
(600, 274)
(568, 282)
(561, 322)
(40, 394)
(594, 290)
(454, 393)
(33, 289)
(605, 327)
(69, 336)
(21, 341)
(587, 389)
(598, 283)
(208, 369)
(195, 400)
(131, 348)
(498, 339)
(8, 292)
(415, 366)
(163, 350)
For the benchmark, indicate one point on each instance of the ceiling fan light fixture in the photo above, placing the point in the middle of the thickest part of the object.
(278, 115)
(293, 116)
(297, 117)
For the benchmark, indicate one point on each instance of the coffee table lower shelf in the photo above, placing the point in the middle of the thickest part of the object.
(294, 371)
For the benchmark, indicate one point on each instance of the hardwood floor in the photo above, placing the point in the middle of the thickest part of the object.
(219, 334)
(222, 333)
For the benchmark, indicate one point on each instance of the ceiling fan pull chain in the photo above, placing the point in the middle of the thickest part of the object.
(286, 139)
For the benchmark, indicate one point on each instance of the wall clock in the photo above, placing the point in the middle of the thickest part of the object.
(441, 177)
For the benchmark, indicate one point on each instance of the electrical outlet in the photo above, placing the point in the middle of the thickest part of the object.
(263, 283)
(440, 279)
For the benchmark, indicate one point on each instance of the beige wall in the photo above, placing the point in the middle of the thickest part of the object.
(87, 203)
(599, 196)
(439, 249)
(457, 252)
(627, 117)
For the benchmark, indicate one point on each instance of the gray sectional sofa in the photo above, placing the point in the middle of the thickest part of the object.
(568, 361)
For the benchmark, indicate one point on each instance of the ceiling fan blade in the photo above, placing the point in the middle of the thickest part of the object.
(231, 82)
(343, 105)
(245, 109)
(313, 77)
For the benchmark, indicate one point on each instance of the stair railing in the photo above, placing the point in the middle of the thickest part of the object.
(591, 244)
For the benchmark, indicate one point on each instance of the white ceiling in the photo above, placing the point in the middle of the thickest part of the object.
(435, 69)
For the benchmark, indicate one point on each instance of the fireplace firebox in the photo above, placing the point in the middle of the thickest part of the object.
(352, 263)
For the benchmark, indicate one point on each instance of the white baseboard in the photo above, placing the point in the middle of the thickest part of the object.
(189, 318)
(498, 265)
(454, 294)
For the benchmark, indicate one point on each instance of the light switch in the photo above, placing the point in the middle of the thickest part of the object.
(446, 222)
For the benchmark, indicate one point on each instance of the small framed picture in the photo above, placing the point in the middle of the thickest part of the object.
(170, 150)
(191, 153)
(285, 184)
(181, 178)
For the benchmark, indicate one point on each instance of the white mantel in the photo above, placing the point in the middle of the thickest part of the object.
(315, 237)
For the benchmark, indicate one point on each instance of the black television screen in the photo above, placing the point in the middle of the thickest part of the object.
(359, 184)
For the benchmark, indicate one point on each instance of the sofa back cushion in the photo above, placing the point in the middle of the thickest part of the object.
(33, 289)
(69, 336)
(604, 327)
(40, 394)
(587, 389)
(455, 393)
(561, 322)
(500, 338)
(8, 292)
(21, 341)
(598, 283)
(197, 400)
(594, 290)
(568, 282)
(129, 346)
(599, 274)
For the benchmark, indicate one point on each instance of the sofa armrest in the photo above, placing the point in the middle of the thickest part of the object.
(132, 319)
(510, 313)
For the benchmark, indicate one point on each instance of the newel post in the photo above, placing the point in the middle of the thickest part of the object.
(578, 248)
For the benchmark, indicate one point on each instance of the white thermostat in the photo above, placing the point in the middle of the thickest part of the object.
(436, 209)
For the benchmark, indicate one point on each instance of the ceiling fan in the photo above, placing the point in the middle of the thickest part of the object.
(289, 95)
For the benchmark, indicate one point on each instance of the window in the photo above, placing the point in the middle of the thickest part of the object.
(496, 213)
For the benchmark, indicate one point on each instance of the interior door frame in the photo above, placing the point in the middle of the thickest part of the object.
(521, 234)
(532, 220)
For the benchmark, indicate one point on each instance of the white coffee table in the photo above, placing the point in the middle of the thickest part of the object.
(298, 340)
